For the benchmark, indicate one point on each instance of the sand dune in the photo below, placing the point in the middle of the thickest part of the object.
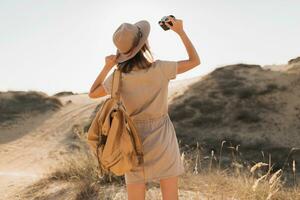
(246, 105)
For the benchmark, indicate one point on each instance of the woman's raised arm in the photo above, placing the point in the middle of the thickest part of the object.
(193, 60)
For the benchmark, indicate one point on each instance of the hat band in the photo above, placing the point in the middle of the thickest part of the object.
(136, 40)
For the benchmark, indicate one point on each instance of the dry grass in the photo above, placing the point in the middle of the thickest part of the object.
(239, 181)
(216, 184)
(75, 178)
(78, 178)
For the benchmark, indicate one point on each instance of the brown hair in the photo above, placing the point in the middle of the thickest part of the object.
(139, 60)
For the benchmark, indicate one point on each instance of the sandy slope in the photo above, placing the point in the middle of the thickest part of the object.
(26, 158)
(33, 146)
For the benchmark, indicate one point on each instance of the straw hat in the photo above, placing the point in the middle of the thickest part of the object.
(130, 38)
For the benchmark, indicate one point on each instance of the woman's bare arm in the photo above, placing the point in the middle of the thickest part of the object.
(97, 89)
(193, 60)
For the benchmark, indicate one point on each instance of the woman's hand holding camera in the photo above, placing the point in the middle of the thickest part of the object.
(177, 25)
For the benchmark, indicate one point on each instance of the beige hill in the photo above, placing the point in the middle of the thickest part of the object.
(255, 107)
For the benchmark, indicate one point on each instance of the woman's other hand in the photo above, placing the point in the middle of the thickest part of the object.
(110, 61)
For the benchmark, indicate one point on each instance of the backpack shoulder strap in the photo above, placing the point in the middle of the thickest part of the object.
(116, 84)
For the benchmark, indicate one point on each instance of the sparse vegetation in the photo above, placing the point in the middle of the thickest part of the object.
(205, 106)
(246, 92)
(241, 101)
(247, 116)
(270, 88)
(206, 121)
(206, 174)
(15, 103)
(183, 112)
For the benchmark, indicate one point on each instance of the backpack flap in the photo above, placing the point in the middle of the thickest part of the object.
(118, 153)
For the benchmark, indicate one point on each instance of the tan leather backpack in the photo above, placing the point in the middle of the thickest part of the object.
(113, 137)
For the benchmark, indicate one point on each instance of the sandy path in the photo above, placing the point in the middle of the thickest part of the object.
(25, 159)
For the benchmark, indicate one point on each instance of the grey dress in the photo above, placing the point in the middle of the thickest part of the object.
(145, 96)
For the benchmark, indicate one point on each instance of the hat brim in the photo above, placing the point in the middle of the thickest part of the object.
(145, 29)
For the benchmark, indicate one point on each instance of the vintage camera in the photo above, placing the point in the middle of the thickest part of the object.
(164, 20)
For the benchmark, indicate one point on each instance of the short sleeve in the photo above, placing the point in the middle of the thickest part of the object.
(169, 68)
(107, 83)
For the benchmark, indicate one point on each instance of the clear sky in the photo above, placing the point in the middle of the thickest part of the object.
(60, 45)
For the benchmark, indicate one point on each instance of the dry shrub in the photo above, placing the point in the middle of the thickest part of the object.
(204, 174)
(64, 93)
(247, 116)
(182, 112)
